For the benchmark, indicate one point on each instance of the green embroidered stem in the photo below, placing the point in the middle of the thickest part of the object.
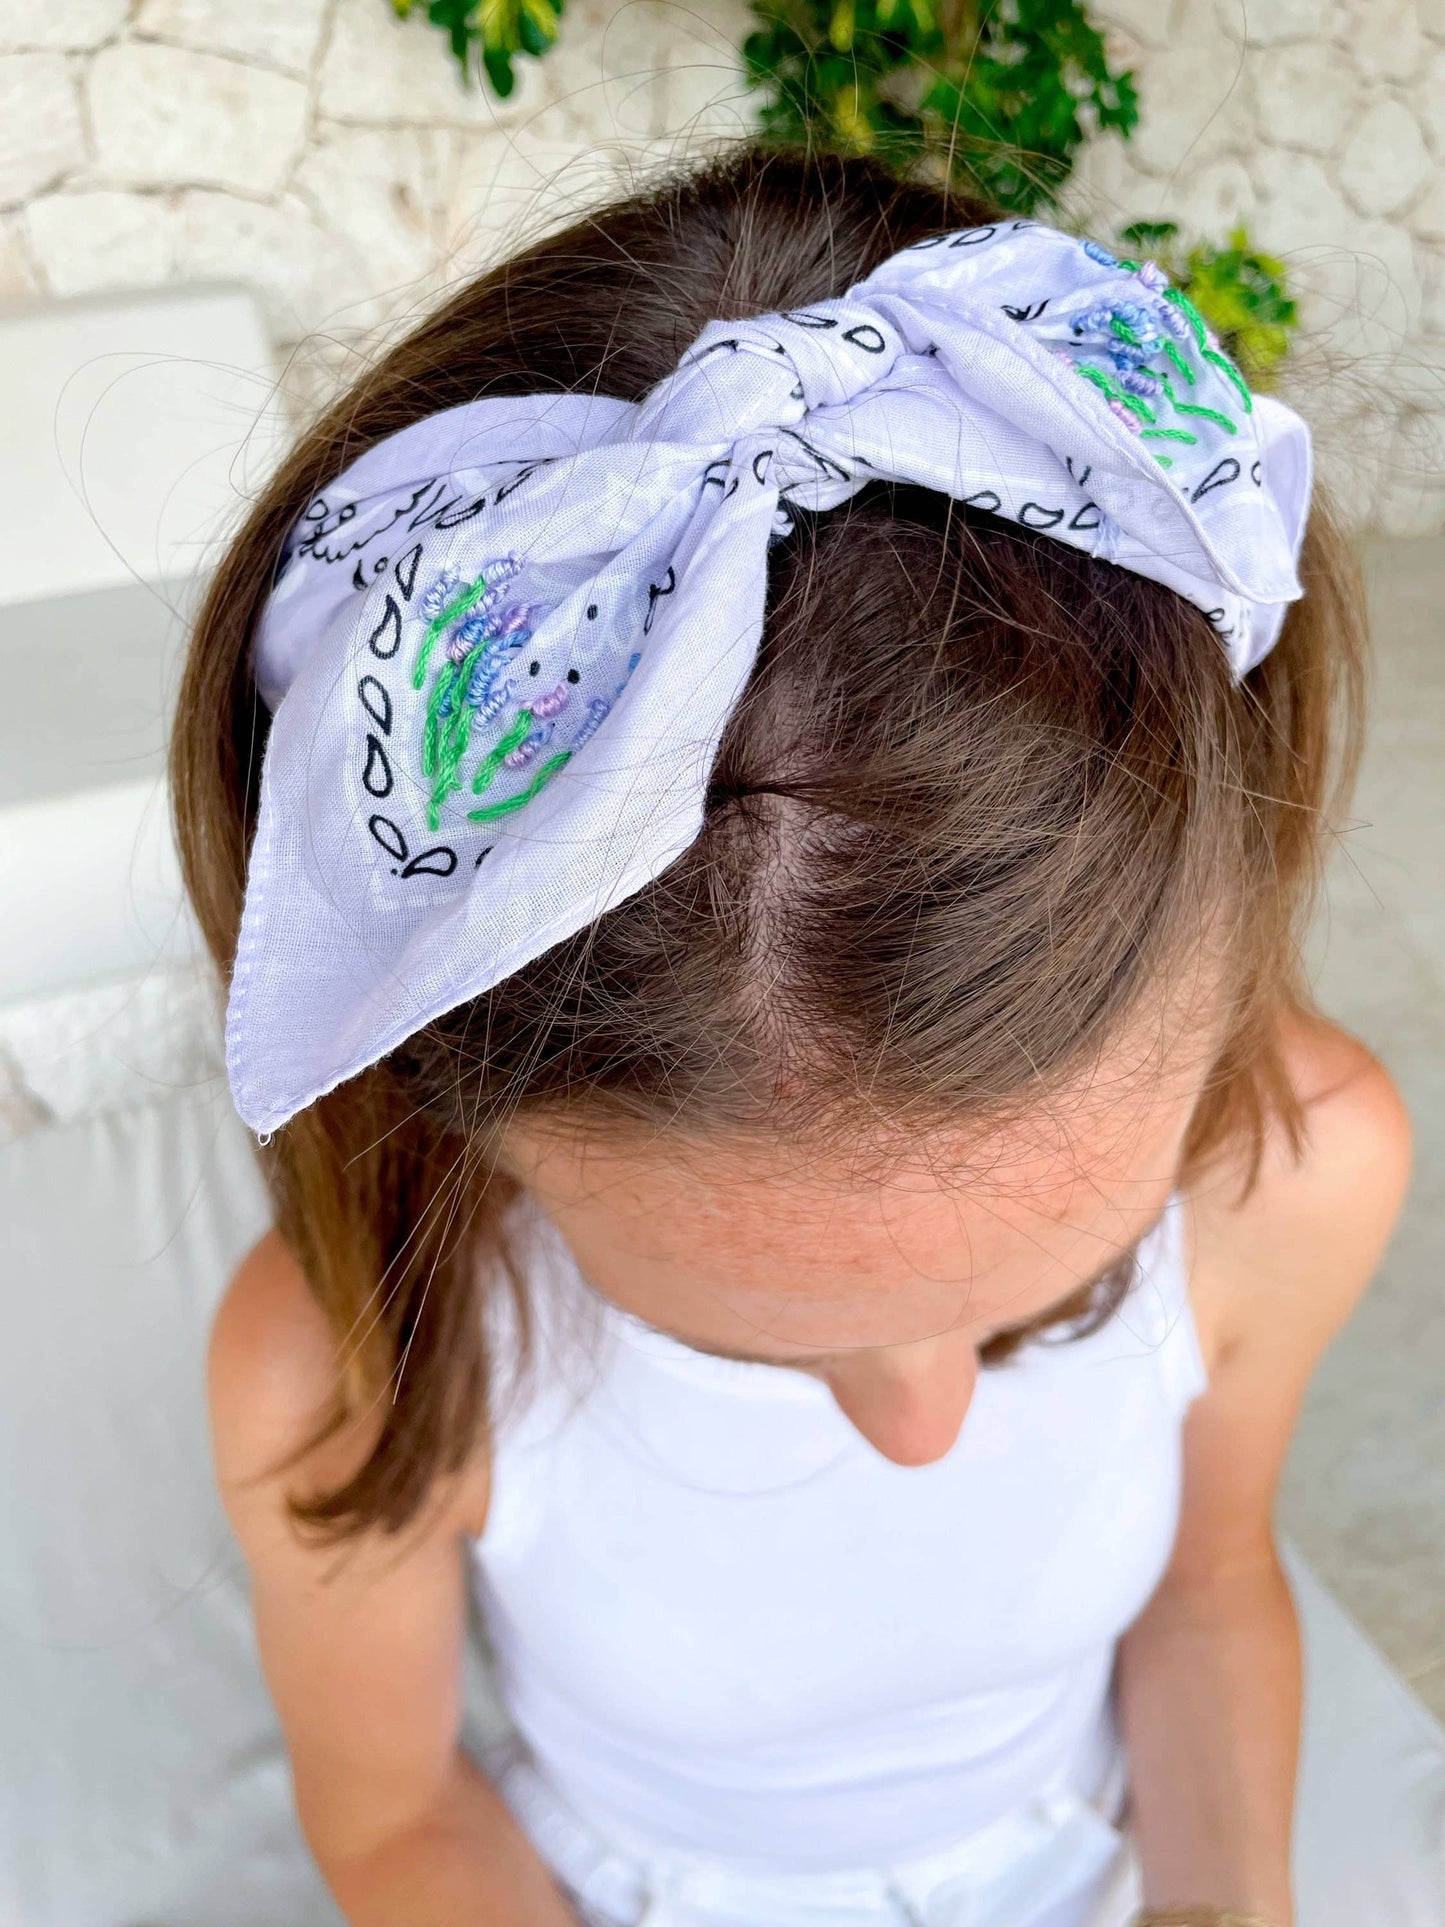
(1209, 414)
(1112, 389)
(1132, 266)
(514, 738)
(1195, 408)
(1125, 333)
(1227, 367)
(446, 738)
(1164, 461)
(1191, 314)
(544, 775)
(458, 607)
(1179, 362)
(1167, 435)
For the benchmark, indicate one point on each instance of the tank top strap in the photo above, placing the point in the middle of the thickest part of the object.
(1158, 1312)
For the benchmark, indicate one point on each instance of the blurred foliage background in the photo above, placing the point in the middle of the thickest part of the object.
(996, 96)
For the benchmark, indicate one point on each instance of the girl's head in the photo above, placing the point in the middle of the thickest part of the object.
(985, 938)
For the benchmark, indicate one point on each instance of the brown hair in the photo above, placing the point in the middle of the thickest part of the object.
(980, 789)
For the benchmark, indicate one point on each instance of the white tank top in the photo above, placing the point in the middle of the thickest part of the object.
(725, 1625)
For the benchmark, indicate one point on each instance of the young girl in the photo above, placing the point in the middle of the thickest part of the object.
(775, 752)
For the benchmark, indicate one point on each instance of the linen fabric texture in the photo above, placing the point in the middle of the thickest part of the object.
(504, 644)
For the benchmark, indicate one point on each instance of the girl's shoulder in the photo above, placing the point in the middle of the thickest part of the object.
(274, 1379)
(1279, 1268)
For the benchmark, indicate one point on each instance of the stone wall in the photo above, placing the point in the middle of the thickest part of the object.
(327, 155)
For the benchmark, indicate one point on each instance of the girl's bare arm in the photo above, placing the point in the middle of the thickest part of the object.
(361, 1646)
(1209, 1675)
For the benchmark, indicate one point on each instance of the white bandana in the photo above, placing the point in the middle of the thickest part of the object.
(504, 644)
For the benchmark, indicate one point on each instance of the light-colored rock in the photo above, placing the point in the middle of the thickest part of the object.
(1432, 280)
(1106, 190)
(379, 190)
(1302, 205)
(1393, 45)
(41, 136)
(379, 68)
(1307, 92)
(1353, 423)
(1144, 21)
(1427, 216)
(1210, 109)
(705, 99)
(1385, 160)
(1356, 280)
(1430, 101)
(170, 117)
(1265, 23)
(63, 26)
(1216, 200)
(510, 188)
(604, 78)
(275, 33)
(303, 276)
(18, 279)
(1362, 301)
(1412, 501)
(87, 241)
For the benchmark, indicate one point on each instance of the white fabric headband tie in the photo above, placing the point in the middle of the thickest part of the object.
(505, 642)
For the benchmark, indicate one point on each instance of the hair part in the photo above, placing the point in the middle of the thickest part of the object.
(981, 792)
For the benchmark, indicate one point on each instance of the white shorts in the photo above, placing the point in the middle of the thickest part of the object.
(1058, 1862)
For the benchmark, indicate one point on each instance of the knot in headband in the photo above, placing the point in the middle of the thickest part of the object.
(504, 644)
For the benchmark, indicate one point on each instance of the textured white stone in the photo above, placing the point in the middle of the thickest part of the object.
(1216, 200)
(510, 188)
(1430, 101)
(1307, 92)
(1209, 111)
(1265, 23)
(379, 191)
(1144, 21)
(166, 116)
(604, 79)
(704, 97)
(276, 33)
(1356, 280)
(41, 137)
(1393, 45)
(1106, 190)
(1412, 501)
(86, 241)
(1385, 160)
(303, 276)
(61, 25)
(18, 278)
(379, 68)
(1363, 299)
(1432, 276)
(1427, 216)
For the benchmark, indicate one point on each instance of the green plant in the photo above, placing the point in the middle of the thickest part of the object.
(997, 95)
(1242, 293)
(498, 29)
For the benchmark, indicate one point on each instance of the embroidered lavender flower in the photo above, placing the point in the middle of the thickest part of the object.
(598, 710)
(553, 703)
(1141, 381)
(442, 591)
(537, 739)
